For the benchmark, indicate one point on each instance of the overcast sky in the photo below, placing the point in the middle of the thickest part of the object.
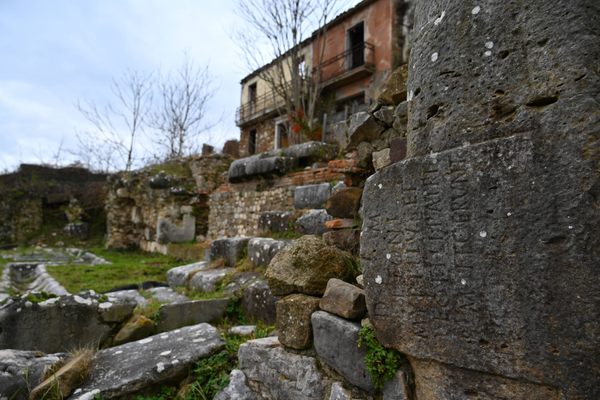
(54, 53)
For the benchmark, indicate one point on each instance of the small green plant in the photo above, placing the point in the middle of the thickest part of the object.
(39, 297)
(381, 363)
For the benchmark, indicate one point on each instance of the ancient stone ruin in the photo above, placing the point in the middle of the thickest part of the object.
(446, 246)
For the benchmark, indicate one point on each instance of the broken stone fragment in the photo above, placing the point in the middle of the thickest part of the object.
(394, 90)
(344, 203)
(206, 281)
(312, 222)
(237, 389)
(262, 250)
(363, 128)
(344, 300)
(179, 276)
(311, 196)
(293, 320)
(341, 223)
(307, 265)
(381, 159)
(138, 327)
(177, 315)
(344, 239)
(22, 370)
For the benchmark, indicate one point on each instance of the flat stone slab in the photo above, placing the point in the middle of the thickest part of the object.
(274, 373)
(180, 276)
(126, 369)
(22, 370)
(166, 295)
(262, 250)
(177, 315)
(311, 196)
(336, 343)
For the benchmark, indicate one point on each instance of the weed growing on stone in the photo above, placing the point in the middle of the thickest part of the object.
(381, 363)
(39, 297)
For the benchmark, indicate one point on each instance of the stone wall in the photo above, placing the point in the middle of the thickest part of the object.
(480, 250)
(265, 137)
(35, 195)
(163, 204)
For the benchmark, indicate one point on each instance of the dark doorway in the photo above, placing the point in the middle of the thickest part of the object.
(356, 45)
(282, 135)
(252, 142)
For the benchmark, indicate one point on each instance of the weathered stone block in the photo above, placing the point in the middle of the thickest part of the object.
(265, 364)
(311, 196)
(397, 150)
(206, 281)
(176, 315)
(385, 115)
(397, 388)
(394, 90)
(262, 250)
(336, 343)
(310, 152)
(344, 203)
(306, 266)
(344, 239)
(230, 249)
(489, 236)
(259, 165)
(258, 302)
(275, 221)
(363, 128)
(312, 222)
(180, 276)
(343, 299)
(293, 320)
(237, 389)
(121, 371)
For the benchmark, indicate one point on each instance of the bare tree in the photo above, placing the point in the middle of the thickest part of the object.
(180, 116)
(116, 127)
(283, 26)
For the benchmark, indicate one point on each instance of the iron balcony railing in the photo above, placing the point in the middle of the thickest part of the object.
(340, 66)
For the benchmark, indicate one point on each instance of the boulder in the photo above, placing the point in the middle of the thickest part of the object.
(312, 222)
(237, 389)
(230, 249)
(180, 276)
(344, 203)
(344, 300)
(344, 239)
(276, 221)
(274, 373)
(22, 370)
(173, 316)
(262, 250)
(293, 320)
(311, 196)
(307, 265)
(336, 344)
(258, 302)
(127, 369)
(59, 323)
(138, 327)
(207, 280)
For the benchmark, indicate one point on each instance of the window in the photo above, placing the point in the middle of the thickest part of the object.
(252, 93)
(252, 142)
(356, 45)
(281, 135)
(302, 72)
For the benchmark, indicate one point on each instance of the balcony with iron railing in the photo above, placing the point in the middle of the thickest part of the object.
(353, 63)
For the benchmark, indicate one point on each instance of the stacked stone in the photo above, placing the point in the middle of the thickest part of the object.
(344, 229)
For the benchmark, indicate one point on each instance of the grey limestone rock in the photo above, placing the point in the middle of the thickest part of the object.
(265, 362)
(258, 301)
(262, 250)
(207, 280)
(312, 222)
(275, 221)
(259, 165)
(336, 343)
(293, 320)
(343, 299)
(22, 370)
(363, 128)
(311, 196)
(180, 276)
(127, 369)
(338, 392)
(237, 389)
(166, 295)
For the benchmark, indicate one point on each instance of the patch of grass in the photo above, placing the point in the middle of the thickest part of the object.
(128, 267)
(177, 169)
(39, 297)
(381, 363)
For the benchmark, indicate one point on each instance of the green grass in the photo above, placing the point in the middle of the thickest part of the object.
(128, 267)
